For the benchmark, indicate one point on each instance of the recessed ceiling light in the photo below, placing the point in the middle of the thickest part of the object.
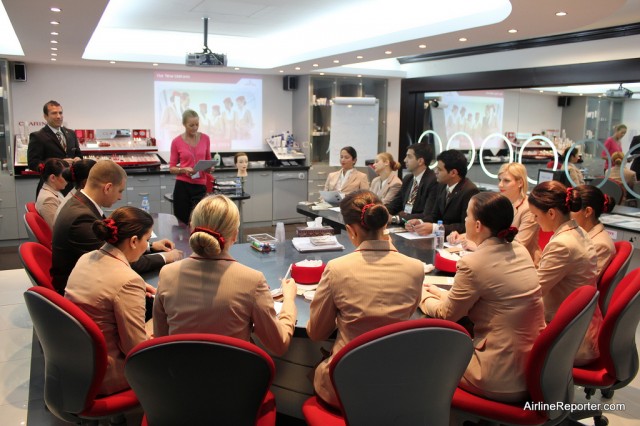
(359, 57)
(155, 65)
(581, 94)
(513, 31)
(112, 62)
(281, 70)
(315, 65)
(297, 68)
(422, 46)
(54, 54)
(53, 59)
(236, 68)
(54, 48)
(561, 13)
(54, 23)
(462, 39)
(388, 52)
(541, 91)
(559, 93)
(54, 41)
(359, 75)
(336, 61)
(54, 33)
(55, 9)
(321, 73)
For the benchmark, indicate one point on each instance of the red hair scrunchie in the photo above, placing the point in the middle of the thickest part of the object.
(363, 212)
(510, 231)
(567, 200)
(605, 207)
(113, 228)
(41, 168)
(211, 232)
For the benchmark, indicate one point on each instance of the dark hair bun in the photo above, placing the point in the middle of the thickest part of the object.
(375, 217)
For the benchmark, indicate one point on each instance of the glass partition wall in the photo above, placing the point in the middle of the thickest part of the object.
(499, 116)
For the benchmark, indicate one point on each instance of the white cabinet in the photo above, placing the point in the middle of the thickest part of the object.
(25, 191)
(259, 186)
(167, 183)
(140, 186)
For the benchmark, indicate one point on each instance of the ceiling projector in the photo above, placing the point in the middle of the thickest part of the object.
(206, 59)
(620, 92)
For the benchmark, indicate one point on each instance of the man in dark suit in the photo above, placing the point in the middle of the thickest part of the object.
(454, 193)
(73, 234)
(418, 191)
(52, 141)
(635, 166)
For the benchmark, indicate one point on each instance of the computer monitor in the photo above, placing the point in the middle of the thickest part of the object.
(545, 175)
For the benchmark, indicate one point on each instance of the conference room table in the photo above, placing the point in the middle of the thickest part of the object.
(293, 382)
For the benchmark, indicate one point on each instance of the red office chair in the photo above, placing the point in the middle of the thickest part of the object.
(614, 272)
(38, 229)
(31, 207)
(197, 379)
(36, 259)
(75, 359)
(548, 369)
(403, 373)
(617, 365)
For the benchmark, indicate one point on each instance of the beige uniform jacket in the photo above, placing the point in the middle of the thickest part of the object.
(47, 203)
(568, 262)
(528, 229)
(387, 192)
(497, 287)
(361, 291)
(355, 181)
(603, 244)
(219, 295)
(104, 286)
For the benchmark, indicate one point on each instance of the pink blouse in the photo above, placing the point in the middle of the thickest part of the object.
(187, 156)
(612, 146)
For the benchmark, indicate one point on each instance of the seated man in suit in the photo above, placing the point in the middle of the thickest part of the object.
(73, 234)
(418, 191)
(52, 141)
(453, 196)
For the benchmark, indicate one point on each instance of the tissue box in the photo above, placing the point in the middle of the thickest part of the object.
(314, 232)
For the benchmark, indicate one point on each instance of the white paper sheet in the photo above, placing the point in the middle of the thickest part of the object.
(414, 236)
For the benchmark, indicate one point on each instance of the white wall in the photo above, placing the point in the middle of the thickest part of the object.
(530, 112)
(105, 98)
(631, 117)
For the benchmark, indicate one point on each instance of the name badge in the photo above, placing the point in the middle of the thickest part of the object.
(408, 208)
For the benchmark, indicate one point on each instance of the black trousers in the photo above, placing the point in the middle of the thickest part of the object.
(185, 197)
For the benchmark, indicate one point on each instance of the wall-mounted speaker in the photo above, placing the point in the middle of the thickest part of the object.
(564, 101)
(19, 71)
(289, 82)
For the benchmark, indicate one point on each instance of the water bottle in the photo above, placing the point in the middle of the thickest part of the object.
(238, 186)
(439, 233)
(145, 204)
(280, 233)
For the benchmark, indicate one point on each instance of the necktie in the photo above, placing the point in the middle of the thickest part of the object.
(61, 140)
(414, 192)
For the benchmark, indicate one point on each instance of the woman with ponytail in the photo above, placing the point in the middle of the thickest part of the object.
(104, 286)
(568, 260)
(50, 197)
(77, 173)
(497, 287)
(369, 288)
(594, 203)
(210, 292)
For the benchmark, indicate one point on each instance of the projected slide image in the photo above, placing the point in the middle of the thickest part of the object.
(476, 113)
(229, 106)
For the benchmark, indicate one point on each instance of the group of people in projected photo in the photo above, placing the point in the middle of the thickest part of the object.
(471, 120)
(225, 122)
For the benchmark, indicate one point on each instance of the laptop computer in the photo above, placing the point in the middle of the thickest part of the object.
(332, 197)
